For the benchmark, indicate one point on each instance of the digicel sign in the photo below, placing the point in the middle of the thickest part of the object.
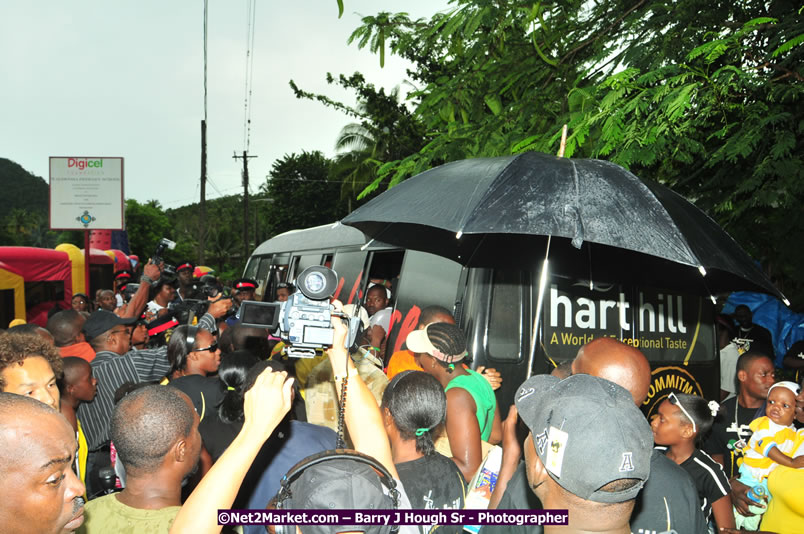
(84, 163)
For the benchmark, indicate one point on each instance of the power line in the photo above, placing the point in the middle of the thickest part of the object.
(181, 200)
(205, 57)
(251, 9)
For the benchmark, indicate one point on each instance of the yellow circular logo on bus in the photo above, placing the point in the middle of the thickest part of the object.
(666, 380)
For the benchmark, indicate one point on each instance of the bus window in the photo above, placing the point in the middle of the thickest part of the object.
(506, 328)
(253, 266)
(384, 268)
(349, 267)
(281, 263)
(293, 270)
(261, 276)
(427, 280)
(309, 260)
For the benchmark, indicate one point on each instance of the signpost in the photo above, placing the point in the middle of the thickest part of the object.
(86, 194)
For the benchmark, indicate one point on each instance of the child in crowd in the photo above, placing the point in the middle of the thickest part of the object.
(681, 424)
(773, 438)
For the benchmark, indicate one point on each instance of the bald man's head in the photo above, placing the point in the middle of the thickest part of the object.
(616, 362)
(17, 411)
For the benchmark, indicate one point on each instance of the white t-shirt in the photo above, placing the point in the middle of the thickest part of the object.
(382, 318)
(728, 367)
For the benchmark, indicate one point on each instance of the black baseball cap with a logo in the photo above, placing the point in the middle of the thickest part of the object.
(588, 433)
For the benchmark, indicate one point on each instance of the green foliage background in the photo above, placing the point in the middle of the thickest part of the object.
(703, 96)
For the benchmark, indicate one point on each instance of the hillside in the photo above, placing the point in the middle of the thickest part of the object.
(21, 189)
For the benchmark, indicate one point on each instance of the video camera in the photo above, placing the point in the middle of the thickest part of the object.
(207, 287)
(304, 320)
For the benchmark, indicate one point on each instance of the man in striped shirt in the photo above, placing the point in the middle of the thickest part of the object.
(115, 364)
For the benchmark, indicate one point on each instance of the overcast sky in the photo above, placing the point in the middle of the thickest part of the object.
(99, 78)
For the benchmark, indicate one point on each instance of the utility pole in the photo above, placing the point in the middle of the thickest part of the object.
(245, 157)
(202, 226)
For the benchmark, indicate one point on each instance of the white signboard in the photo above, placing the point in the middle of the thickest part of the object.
(86, 193)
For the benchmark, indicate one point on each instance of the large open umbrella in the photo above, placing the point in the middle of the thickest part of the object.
(502, 211)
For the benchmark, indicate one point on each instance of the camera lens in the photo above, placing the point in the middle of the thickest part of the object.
(315, 282)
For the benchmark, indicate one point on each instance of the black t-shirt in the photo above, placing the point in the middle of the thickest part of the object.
(761, 339)
(433, 482)
(710, 481)
(729, 428)
(206, 392)
(668, 501)
(217, 435)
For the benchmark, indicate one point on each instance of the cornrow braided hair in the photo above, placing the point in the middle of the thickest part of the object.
(447, 338)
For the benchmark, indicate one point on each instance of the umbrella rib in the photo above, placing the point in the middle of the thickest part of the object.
(577, 240)
(487, 193)
(467, 214)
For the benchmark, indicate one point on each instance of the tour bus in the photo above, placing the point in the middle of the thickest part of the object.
(495, 307)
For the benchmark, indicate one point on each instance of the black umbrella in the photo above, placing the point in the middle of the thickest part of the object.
(501, 211)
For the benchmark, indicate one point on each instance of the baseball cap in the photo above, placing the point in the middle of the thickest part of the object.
(102, 321)
(792, 386)
(434, 339)
(588, 433)
(336, 484)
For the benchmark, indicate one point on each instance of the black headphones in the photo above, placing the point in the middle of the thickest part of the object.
(189, 339)
(296, 471)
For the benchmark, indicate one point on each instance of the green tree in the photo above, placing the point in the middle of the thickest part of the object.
(224, 228)
(701, 95)
(146, 224)
(303, 193)
(386, 130)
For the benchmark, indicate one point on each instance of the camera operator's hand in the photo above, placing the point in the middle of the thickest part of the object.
(151, 271)
(219, 306)
(340, 328)
(266, 403)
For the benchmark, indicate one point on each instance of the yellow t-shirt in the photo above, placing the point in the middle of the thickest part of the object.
(786, 508)
(83, 452)
(766, 436)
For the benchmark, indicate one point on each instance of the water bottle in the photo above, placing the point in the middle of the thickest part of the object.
(757, 494)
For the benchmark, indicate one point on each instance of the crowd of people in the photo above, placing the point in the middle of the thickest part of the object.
(151, 407)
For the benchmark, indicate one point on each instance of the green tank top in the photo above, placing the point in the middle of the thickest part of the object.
(485, 401)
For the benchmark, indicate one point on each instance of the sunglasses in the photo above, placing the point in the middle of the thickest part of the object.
(675, 402)
(211, 348)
